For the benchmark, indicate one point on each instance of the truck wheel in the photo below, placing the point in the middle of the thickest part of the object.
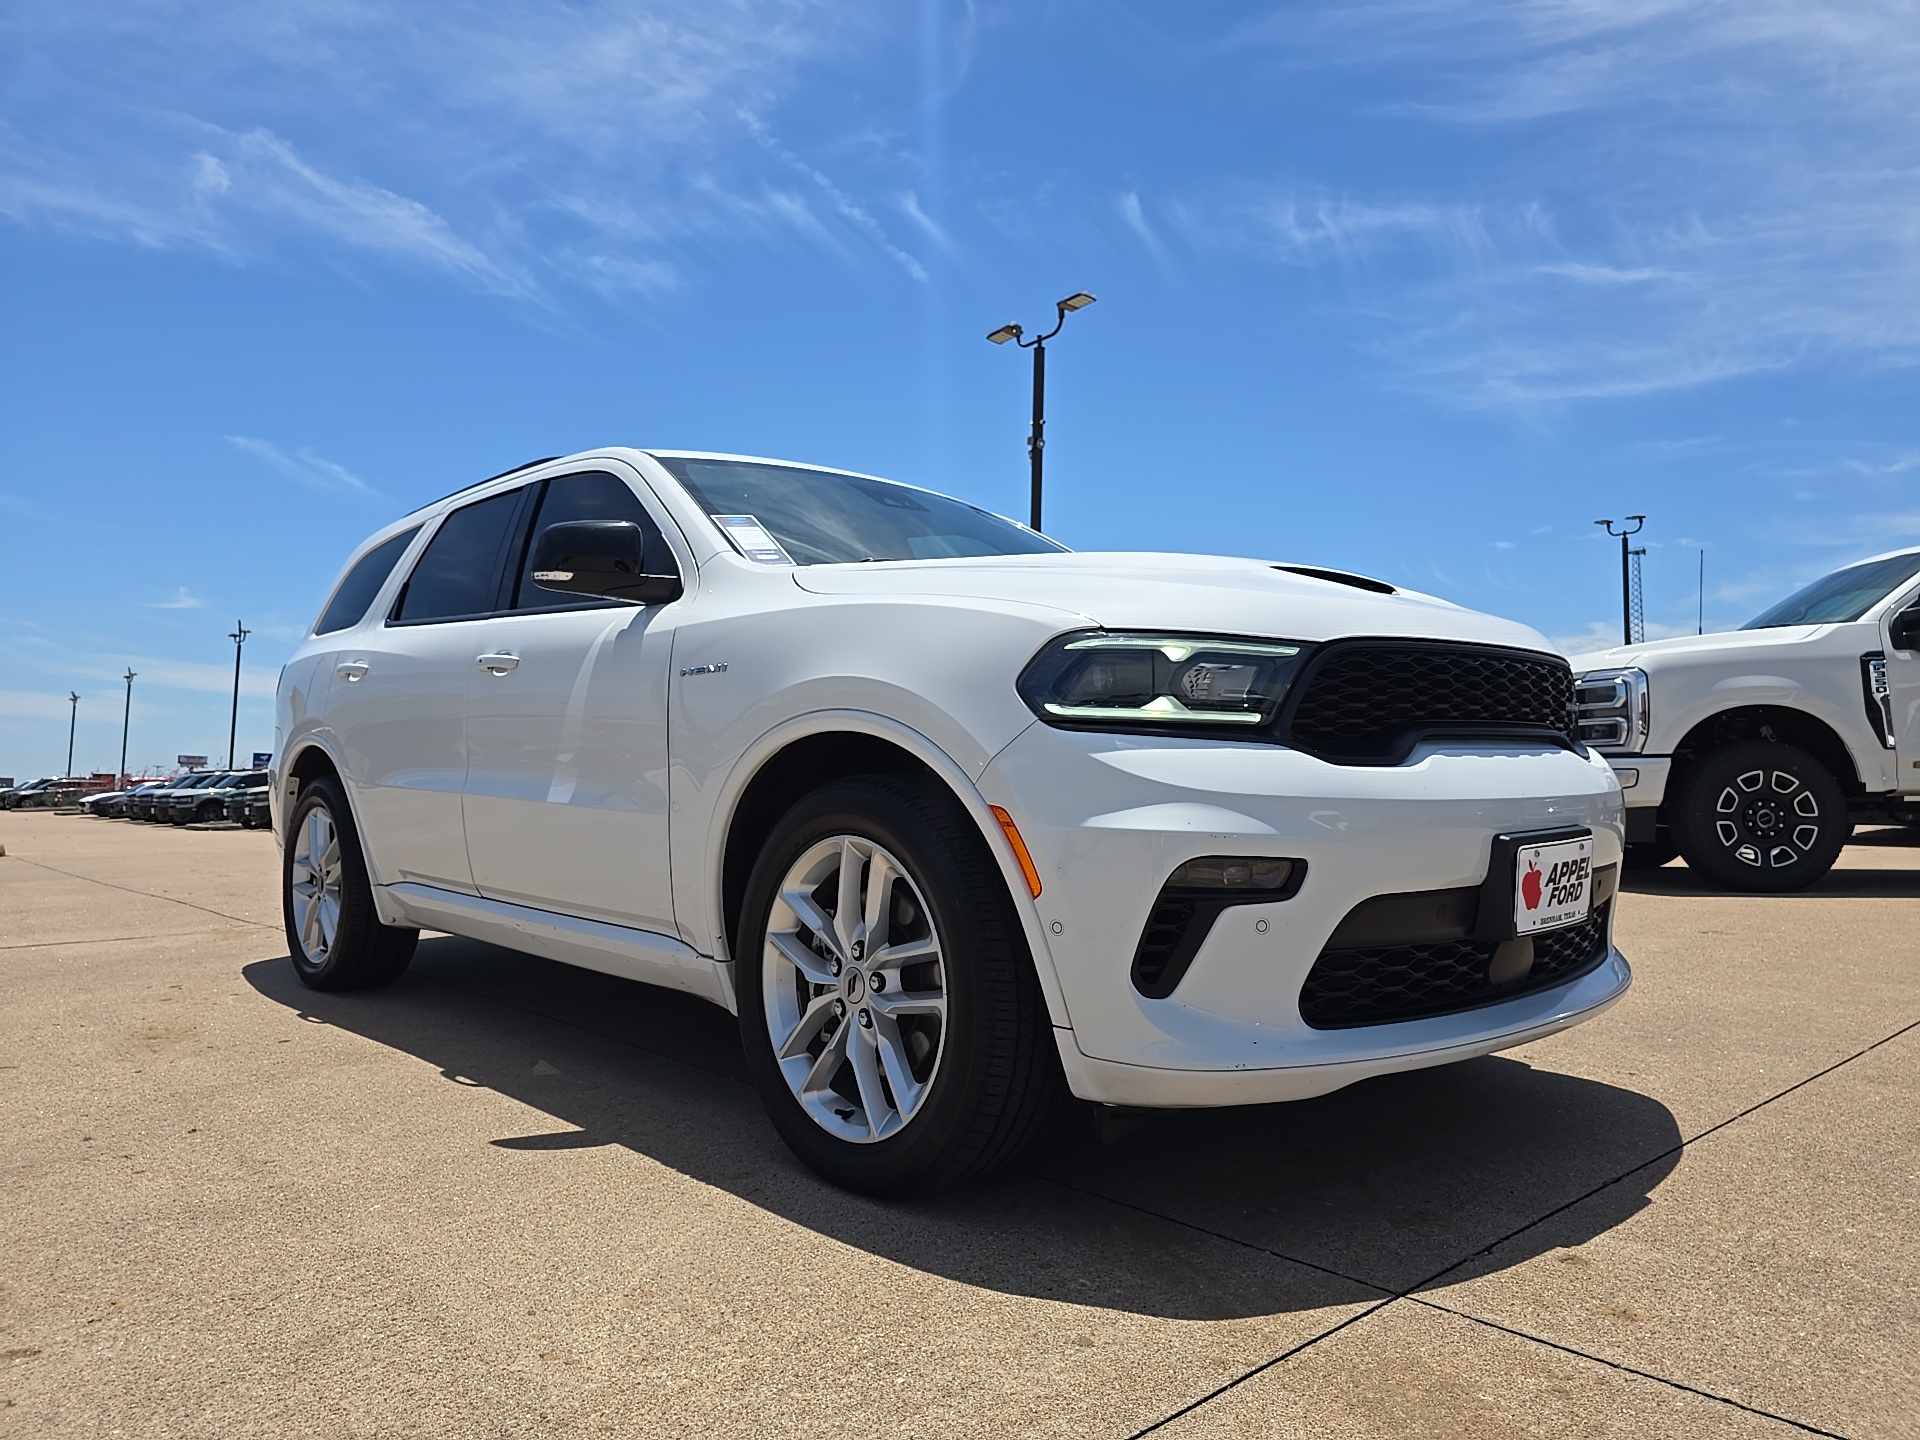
(333, 934)
(1761, 817)
(888, 1007)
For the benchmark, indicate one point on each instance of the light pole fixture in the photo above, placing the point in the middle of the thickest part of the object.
(126, 721)
(239, 638)
(73, 719)
(1626, 570)
(1036, 438)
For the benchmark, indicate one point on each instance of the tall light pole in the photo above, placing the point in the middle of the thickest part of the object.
(73, 719)
(239, 638)
(126, 723)
(1626, 569)
(1036, 438)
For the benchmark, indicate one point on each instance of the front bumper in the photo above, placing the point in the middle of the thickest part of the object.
(1108, 817)
(1643, 778)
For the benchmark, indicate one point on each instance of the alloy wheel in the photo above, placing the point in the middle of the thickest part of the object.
(1766, 818)
(315, 881)
(853, 983)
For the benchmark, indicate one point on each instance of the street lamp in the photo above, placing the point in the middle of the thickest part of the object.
(1036, 439)
(126, 722)
(73, 718)
(239, 638)
(1626, 569)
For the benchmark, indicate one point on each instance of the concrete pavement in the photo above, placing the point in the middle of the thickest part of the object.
(504, 1198)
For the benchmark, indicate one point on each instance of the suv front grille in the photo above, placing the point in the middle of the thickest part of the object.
(1384, 984)
(1371, 701)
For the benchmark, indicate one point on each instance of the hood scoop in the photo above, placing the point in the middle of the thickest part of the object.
(1340, 577)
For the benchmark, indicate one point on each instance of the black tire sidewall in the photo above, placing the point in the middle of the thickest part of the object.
(364, 952)
(887, 815)
(1695, 821)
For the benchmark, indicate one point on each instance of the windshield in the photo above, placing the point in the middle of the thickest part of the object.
(818, 517)
(1844, 595)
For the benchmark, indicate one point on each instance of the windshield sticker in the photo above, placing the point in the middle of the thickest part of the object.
(751, 539)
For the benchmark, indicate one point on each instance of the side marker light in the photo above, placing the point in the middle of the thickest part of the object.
(1019, 850)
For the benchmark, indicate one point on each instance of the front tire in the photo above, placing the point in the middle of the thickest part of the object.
(1762, 818)
(333, 933)
(888, 1006)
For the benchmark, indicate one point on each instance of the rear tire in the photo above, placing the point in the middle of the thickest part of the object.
(907, 1048)
(333, 933)
(1762, 818)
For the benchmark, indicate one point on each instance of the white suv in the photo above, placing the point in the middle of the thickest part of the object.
(953, 819)
(1752, 754)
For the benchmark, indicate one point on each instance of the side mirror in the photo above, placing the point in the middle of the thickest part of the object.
(600, 557)
(1904, 631)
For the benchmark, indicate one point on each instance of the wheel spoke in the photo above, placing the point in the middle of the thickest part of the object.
(801, 902)
(846, 911)
(910, 1002)
(816, 1015)
(797, 954)
(907, 1091)
(864, 1053)
(827, 1064)
(879, 898)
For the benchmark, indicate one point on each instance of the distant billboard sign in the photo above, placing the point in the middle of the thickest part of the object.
(191, 762)
(262, 759)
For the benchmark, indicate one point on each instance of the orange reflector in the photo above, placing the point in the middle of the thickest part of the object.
(1019, 849)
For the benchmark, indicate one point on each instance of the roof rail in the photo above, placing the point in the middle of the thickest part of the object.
(511, 470)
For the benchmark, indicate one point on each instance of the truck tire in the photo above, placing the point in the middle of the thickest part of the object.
(1761, 817)
(905, 1046)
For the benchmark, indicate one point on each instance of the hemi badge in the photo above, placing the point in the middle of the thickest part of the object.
(703, 669)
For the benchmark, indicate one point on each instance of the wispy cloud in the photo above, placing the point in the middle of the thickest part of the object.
(181, 599)
(1737, 197)
(423, 139)
(303, 466)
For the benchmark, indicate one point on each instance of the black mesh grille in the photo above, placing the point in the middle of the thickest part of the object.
(1410, 982)
(1372, 700)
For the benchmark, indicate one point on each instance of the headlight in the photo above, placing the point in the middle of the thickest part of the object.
(1610, 709)
(1160, 682)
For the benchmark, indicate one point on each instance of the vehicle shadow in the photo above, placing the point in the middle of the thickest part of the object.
(1211, 1215)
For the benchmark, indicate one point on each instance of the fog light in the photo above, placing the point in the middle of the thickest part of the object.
(1229, 872)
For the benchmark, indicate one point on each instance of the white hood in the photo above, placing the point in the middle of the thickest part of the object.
(1155, 591)
(1682, 649)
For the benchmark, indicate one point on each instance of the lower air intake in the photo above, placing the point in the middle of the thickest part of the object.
(1384, 984)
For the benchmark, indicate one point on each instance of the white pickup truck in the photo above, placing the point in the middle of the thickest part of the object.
(1754, 754)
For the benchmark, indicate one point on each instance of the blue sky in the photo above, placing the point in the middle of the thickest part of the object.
(1415, 288)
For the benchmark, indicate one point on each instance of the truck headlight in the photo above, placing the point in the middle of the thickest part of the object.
(1160, 683)
(1610, 710)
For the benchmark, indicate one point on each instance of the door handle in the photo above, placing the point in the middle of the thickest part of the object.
(497, 664)
(351, 670)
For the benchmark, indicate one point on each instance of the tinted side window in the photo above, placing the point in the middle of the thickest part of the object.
(459, 573)
(593, 496)
(349, 604)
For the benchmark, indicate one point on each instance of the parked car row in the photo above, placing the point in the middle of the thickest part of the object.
(52, 790)
(196, 798)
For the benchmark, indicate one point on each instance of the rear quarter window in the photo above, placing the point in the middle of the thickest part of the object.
(348, 607)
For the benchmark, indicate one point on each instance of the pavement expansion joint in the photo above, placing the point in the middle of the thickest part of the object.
(149, 894)
(1627, 1369)
(98, 940)
(1409, 1292)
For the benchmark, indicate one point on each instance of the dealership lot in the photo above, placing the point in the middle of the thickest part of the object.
(504, 1198)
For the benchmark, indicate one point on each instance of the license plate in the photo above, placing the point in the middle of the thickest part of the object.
(1552, 885)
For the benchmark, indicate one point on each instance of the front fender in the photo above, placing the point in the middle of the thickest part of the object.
(698, 897)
